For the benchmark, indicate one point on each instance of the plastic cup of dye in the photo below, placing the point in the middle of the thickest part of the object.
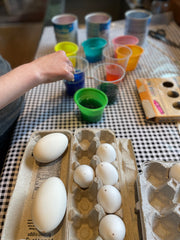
(91, 103)
(137, 22)
(124, 40)
(65, 27)
(93, 48)
(69, 48)
(110, 55)
(107, 77)
(137, 51)
(80, 65)
(98, 25)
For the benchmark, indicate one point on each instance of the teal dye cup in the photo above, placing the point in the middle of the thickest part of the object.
(93, 48)
(91, 103)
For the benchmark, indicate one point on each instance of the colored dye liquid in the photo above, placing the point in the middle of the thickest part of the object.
(90, 103)
(111, 90)
(79, 82)
(113, 73)
(78, 75)
(112, 77)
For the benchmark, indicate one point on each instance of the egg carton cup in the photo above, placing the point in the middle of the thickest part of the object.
(83, 213)
(159, 202)
(31, 175)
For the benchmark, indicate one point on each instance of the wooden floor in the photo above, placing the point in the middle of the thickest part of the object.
(19, 41)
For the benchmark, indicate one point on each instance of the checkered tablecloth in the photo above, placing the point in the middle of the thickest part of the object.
(48, 107)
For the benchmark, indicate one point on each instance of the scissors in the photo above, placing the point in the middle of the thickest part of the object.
(160, 34)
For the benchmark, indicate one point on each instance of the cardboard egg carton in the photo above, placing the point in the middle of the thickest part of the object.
(30, 177)
(84, 212)
(159, 202)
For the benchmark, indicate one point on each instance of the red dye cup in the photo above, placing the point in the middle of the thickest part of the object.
(113, 73)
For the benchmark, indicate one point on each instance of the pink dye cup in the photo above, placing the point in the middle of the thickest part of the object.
(124, 40)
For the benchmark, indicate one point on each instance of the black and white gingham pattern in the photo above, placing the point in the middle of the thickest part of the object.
(48, 107)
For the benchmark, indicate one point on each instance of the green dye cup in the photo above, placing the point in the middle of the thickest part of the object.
(91, 103)
(107, 78)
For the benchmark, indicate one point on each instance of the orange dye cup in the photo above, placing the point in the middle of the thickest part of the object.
(134, 58)
(110, 55)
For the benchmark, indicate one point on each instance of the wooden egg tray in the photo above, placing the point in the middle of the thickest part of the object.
(160, 98)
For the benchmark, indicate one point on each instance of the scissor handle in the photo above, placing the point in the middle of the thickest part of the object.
(161, 32)
(154, 34)
(160, 35)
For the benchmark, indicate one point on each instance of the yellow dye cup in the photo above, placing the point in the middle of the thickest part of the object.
(69, 48)
(134, 58)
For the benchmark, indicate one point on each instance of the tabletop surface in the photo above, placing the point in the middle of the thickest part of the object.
(48, 107)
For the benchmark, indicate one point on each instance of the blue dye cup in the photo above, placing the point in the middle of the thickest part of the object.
(80, 66)
(93, 48)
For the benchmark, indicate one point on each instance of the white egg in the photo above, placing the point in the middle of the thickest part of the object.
(107, 173)
(50, 147)
(49, 205)
(83, 175)
(111, 227)
(109, 198)
(174, 171)
(106, 152)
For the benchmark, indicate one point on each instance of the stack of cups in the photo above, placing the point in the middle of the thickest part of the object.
(65, 27)
(98, 25)
(137, 23)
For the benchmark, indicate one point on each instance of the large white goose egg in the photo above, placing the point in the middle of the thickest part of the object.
(50, 147)
(107, 173)
(111, 227)
(83, 175)
(49, 205)
(174, 171)
(109, 198)
(106, 152)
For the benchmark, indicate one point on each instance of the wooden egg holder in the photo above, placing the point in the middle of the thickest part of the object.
(160, 98)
